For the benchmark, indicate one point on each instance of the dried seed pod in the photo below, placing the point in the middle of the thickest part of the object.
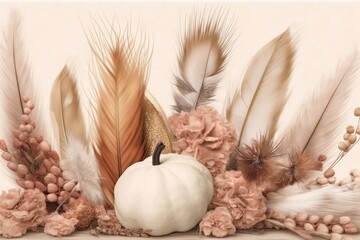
(289, 223)
(29, 128)
(25, 118)
(301, 217)
(335, 236)
(346, 136)
(6, 156)
(39, 138)
(16, 143)
(39, 185)
(327, 219)
(55, 170)
(355, 173)
(52, 197)
(350, 228)
(69, 186)
(29, 184)
(322, 180)
(29, 177)
(332, 180)
(22, 127)
(357, 112)
(329, 173)
(33, 142)
(322, 158)
(347, 144)
(60, 181)
(27, 111)
(352, 139)
(47, 163)
(337, 229)
(50, 178)
(344, 182)
(45, 146)
(3, 145)
(42, 170)
(22, 136)
(22, 170)
(314, 219)
(309, 227)
(16, 133)
(21, 182)
(350, 129)
(25, 98)
(344, 220)
(52, 188)
(322, 228)
(29, 104)
(12, 166)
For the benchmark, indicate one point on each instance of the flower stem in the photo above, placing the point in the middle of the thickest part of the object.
(156, 155)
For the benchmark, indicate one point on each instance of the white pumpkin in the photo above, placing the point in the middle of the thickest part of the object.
(163, 194)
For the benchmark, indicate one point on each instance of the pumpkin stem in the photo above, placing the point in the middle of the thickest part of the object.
(156, 155)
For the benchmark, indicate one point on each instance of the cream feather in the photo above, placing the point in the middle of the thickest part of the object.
(80, 165)
(255, 109)
(18, 82)
(319, 125)
(201, 64)
(122, 74)
(330, 199)
(77, 161)
(65, 105)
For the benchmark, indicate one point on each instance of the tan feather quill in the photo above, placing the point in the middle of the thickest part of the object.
(122, 74)
(255, 109)
(201, 64)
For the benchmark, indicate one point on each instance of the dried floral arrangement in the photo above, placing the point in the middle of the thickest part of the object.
(224, 173)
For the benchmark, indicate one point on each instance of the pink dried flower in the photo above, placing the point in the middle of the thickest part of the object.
(243, 199)
(217, 223)
(22, 210)
(57, 225)
(204, 134)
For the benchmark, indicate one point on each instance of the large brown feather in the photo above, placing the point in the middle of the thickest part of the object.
(122, 76)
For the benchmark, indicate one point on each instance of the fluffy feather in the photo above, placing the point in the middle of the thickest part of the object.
(330, 199)
(80, 165)
(17, 82)
(201, 65)
(256, 107)
(122, 73)
(65, 105)
(324, 132)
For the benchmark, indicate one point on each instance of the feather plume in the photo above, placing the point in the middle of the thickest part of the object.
(122, 74)
(80, 165)
(17, 82)
(330, 199)
(318, 125)
(77, 161)
(256, 107)
(65, 105)
(156, 128)
(201, 64)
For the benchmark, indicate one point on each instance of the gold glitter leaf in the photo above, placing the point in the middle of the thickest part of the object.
(155, 126)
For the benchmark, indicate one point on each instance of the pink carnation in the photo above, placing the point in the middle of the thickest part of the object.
(21, 210)
(217, 223)
(205, 135)
(243, 199)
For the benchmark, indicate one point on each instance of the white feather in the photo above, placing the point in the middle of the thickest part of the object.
(330, 199)
(80, 165)
(18, 82)
(317, 127)
(256, 108)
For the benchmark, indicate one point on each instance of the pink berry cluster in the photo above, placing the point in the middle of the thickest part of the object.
(34, 161)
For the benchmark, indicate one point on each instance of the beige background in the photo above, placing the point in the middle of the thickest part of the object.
(327, 34)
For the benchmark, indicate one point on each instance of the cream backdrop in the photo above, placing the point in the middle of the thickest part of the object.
(54, 35)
